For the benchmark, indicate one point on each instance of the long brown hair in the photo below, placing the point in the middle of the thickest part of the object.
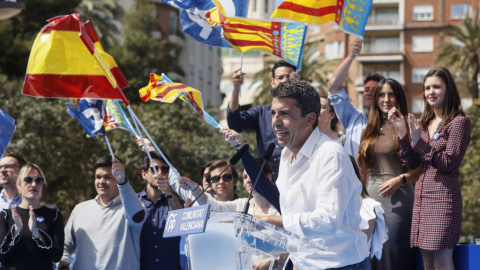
(452, 105)
(375, 121)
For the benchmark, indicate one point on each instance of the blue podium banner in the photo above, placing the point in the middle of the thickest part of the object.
(186, 221)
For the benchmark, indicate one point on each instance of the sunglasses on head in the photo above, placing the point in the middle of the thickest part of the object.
(162, 169)
(29, 180)
(226, 177)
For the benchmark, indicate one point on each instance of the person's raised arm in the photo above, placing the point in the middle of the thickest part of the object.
(237, 80)
(173, 201)
(134, 211)
(338, 78)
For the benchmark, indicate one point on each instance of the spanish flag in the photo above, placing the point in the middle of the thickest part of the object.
(350, 15)
(61, 65)
(281, 39)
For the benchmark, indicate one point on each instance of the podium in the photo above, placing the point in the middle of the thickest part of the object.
(235, 241)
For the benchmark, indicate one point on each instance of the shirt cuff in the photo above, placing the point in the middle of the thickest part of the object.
(338, 97)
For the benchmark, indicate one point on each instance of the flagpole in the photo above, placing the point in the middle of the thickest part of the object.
(241, 67)
(137, 123)
(109, 145)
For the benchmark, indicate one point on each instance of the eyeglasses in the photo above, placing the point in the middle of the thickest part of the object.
(29, 180)
(162, 169)
(226, 177)
(8, 167)
(104, 176)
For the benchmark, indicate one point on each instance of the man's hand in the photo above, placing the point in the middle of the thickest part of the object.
(356, 47)
(118, 170)
(232, 137)
(148, 143)
(162, 183)
(237, 79)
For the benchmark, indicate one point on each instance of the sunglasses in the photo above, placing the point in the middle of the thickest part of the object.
(8, 167)
(29, 180)
(162, 169)
(226, 177)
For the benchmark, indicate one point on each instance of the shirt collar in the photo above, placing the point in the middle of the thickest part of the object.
(307, 148)
(2, 196)
(111, 203)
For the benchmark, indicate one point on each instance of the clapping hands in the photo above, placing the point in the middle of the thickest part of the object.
(398, 122)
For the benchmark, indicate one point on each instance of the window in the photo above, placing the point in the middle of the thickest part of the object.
(254, 4)
(334, 50)
(266, 6)
(210, 76)
(192, 60)
(394, 74)
(422, 43)
(418, 73)
(459, 11)
(173, 23)
(386, 16)
(422, 12)
(387, 44)
(417, 105)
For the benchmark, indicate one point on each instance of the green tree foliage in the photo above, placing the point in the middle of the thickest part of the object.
(102, 14)
(48, 136)
(18, 33)
(462, 50)
(141, 54)
(470, 178)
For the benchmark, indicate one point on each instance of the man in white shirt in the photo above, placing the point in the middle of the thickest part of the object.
(319, 191)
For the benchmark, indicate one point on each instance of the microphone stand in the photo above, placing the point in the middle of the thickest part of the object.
(247, 205)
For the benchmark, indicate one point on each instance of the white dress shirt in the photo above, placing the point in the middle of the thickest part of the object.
(320, 200)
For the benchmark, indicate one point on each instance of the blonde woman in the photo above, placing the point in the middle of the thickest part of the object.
(32, 235)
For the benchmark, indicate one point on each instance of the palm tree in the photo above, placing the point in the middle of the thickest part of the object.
(462, 51)
(315, 69)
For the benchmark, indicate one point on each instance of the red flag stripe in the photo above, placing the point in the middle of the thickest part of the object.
(308, 10)
(247, 27)
(68, 23)
(248, 43)
(170, 88)
(67, 86)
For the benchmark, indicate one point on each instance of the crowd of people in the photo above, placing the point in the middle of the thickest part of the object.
(372, 195)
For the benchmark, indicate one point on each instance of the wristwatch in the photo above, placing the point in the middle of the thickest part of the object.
(404, 179)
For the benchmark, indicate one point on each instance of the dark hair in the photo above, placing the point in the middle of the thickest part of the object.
(306, 96)
(334, 121)
(204, 167)
(266, 168)
(375, 121)
(222, 163)
(105, 161)
(364, 193)
(21, 161)
(154, 155)
(452, 105)
(282, 63)
(373, 77)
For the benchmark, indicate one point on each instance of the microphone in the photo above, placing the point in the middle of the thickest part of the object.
(232, 161)
(266, 157)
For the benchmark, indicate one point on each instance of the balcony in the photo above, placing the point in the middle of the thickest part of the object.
(384, 19)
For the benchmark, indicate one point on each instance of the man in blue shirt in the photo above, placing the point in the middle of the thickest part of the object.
(353, 120)
(10, 166)
(258, 118)
(158, 252)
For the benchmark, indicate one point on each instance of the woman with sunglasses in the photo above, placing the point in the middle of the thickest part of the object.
(32, 235)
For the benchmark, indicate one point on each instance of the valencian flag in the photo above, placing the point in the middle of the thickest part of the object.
(161, 88)
(115, 117)
(350, 15)
(282, 39)
(61, 65)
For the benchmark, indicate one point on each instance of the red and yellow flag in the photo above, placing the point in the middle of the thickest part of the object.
(61, 65)
(282, 39)
(350, 15)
